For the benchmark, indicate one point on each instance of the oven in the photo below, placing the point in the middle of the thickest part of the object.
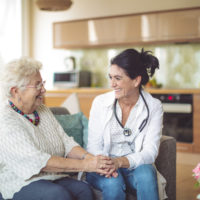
(178, 116)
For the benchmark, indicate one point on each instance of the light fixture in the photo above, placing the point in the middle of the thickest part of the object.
(54, 5)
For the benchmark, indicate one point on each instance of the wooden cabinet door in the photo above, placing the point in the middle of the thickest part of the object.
(196, 122)
(105, 31)
(70, 34)
(160, 27)
(179, 26)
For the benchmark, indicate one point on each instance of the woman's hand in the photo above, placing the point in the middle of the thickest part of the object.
(118, 162)
(100, 164)
(113, 170)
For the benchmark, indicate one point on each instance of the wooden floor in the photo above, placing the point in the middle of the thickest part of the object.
(185, 189)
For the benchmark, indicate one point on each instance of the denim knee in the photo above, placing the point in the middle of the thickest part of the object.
(145, 178)
(145, 174)
(112, 188)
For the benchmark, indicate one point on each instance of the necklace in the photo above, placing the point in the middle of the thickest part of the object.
(37, 118)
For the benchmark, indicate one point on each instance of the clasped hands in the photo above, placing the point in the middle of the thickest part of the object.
(103, 165)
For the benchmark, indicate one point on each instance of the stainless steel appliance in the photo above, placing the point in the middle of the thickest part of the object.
(72, 79)
(68, 79)
(178, 116)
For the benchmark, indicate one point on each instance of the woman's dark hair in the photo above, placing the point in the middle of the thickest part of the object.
(136, 63)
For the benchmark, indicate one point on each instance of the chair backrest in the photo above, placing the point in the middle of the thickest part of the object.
(59, 110)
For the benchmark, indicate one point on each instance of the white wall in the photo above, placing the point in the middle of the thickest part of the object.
(41, 36)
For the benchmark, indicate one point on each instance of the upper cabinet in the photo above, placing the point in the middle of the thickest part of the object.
(179, 26)
(160, 27)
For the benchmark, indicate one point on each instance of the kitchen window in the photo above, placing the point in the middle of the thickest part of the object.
(10, 30)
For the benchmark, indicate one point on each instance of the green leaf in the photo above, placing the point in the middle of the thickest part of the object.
(197, 184)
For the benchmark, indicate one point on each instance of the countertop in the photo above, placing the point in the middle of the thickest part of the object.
(150, 90)
(172, 91)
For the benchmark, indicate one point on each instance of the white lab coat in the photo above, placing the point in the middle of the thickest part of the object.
(146, 143)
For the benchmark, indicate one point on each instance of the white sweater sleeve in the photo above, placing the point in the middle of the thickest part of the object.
(19, 152)
(55, 126)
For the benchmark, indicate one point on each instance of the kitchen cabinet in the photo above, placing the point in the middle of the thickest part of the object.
(87, 95)
(149, 28)
(179, 26)
(196, 124)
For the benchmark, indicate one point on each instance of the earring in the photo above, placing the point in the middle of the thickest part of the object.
(19, 99)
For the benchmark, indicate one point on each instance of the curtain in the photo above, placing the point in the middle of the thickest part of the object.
(10, 30)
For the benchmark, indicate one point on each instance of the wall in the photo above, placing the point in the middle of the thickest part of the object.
(41, 46)
(179, 64)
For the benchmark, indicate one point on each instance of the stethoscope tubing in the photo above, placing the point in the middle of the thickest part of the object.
(144, 122)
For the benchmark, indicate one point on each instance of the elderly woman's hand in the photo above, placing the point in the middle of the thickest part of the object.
(100, 164)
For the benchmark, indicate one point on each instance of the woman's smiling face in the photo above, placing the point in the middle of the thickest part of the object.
(121, 83)
(31, 97)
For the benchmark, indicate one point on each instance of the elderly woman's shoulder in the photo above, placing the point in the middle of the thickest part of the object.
(42, 107)
(8, 117)
(44, 110)
(7, 114)
(5, 110)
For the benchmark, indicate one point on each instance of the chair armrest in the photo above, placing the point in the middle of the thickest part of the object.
(166, 164)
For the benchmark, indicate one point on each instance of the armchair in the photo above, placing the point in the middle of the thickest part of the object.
(165, 162)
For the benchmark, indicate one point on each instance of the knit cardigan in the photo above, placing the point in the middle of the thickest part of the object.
(26, 148)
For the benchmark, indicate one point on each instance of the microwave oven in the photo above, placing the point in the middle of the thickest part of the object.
(67, 79)
(71, 79)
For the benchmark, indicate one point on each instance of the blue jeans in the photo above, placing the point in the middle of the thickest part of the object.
(142, 180)
(62, 189)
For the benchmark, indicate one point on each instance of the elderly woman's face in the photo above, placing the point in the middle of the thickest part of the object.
(32, 96)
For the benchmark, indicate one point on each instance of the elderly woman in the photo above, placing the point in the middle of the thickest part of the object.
(126, 125)
(34, 149)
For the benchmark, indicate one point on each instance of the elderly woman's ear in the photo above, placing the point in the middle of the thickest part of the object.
(13, 92)
(15, 96)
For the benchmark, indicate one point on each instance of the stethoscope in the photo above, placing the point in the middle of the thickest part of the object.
(127, 131)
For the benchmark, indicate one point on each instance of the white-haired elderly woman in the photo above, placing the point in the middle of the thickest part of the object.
(34, 149)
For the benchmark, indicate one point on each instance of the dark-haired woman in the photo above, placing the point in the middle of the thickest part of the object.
(126, 125)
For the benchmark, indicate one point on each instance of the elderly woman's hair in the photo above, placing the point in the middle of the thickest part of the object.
(17, 73)
(136, 63)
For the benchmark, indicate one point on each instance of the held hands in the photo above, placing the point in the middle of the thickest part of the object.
(101, 164)
(116, 166)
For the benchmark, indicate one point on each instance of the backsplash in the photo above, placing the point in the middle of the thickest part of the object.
(179, 64)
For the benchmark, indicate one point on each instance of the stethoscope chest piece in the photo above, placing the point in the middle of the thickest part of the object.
(127, 131)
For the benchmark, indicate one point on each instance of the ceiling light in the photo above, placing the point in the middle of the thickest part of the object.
(54, 5)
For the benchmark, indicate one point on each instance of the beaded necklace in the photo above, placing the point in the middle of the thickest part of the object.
(37, 118)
